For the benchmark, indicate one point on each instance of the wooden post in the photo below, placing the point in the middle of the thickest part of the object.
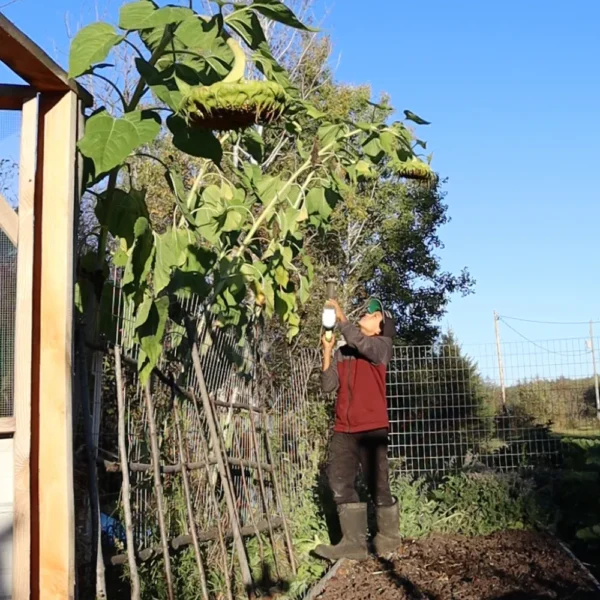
(499, 355)
(23, 324)
(53, 564)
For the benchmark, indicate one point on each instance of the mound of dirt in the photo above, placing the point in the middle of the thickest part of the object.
(505, 566)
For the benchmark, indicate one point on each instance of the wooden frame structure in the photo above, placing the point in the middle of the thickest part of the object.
(43, 230)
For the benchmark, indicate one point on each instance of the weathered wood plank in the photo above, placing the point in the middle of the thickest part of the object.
(53, 574)
(12, 97)
(33, 65)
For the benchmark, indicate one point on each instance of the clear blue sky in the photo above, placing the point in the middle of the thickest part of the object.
(513, 92)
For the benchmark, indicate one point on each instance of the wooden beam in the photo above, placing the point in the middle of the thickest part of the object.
(9, 222)
(12, 97)
(53, 534)
(33, 65)
(24, 315)
(7, 425)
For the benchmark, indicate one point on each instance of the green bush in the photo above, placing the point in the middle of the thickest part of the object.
(467, 504)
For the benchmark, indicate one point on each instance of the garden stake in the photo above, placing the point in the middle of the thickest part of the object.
(263, 492)
(155, 453)
(128, 515)
(184, 459)
(223, 468)
(277, 492)
(203, 449)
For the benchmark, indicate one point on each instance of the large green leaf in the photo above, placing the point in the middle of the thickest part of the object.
(137, 15)
(170, 15)
(317, 204)
(162, 83)
(143, 14)
(254, 144)
(246, 24)
(150, 335)
(330, 134)
(91, 45)
(120, 212)
(304, 289)
(109, 141)
(171, 252)
(141, 258)
(195, 142)
(236, 209)
(207, 215)
(373, 148)
(198, 33)
(271, 69)
(278, 11)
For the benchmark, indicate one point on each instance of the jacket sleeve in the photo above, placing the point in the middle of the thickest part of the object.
(376, 349)
(329, 378)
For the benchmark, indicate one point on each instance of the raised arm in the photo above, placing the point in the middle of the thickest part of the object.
(375, 349)
(329, 375)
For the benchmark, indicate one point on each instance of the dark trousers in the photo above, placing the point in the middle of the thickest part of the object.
(367, 450)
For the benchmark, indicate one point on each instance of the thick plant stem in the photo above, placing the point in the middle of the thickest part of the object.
(128, 514)
(239, 62)
(158, 488)
(223, 468)
(184, 460)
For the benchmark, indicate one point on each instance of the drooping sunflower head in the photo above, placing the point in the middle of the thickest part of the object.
(234, 105)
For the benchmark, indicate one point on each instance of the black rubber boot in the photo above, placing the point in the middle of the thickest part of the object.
(353, 545)
(388, 537)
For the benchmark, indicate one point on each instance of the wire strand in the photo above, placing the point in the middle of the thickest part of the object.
(547, 322)
(538, 345)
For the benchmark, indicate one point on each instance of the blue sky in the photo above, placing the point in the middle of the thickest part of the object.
(512, 90)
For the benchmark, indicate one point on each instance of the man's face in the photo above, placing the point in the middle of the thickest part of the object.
(370, 324)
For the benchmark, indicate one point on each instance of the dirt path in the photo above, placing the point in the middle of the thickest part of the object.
(506, 566)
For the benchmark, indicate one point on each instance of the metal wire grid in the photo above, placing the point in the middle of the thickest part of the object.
(10, 126)
(8, 295)
(230, 372)
(448, 410)
(503, 410)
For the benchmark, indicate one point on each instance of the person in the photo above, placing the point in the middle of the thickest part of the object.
(357, 372)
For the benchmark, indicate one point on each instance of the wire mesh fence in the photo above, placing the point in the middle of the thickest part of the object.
(503, 408)
(10, 122)
(8, 293)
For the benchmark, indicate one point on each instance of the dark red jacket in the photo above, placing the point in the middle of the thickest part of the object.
(358, 374)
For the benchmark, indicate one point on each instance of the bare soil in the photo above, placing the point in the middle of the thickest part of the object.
(506, 566)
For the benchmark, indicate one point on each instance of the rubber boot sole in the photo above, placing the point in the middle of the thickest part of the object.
(332, 553)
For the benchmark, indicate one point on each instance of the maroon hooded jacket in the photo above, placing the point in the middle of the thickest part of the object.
(358, 373)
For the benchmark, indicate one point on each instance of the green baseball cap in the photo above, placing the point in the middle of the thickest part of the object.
(374, 305)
